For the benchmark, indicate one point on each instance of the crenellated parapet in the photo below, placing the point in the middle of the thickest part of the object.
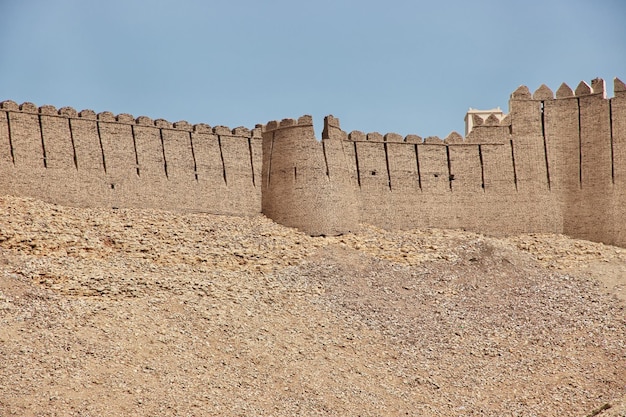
(124, 118)
(306, 183)
(120, 160)
(555, 163)
(544, 166)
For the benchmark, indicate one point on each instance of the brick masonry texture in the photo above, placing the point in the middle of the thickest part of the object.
(555, 164)
(88, 160)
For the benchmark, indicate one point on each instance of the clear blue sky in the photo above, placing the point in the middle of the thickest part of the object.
(386, 66)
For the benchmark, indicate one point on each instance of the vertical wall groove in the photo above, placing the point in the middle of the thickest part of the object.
(580, 148)
(325, 158)
(482, 167)
(251, 160)
(612, 139)
(545, 144)
(566, 208)
(219, 144)
(163, 152)
(43, 143)
(356, 159)
(450, 176)
(417, 162)
(10, 138)
(193, 156)
(385, 146)
(269, 165)
(513, 161)
(132, 132)
(69, 125)
(104, 162)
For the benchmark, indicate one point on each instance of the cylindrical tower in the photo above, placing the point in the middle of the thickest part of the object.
(306, 183)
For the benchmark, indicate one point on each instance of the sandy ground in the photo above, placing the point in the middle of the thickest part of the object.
(145, 313)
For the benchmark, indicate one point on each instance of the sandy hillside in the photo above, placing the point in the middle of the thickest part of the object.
(148, 313)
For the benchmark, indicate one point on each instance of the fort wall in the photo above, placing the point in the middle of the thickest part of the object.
(549, 166)
(556, 163)
(87, 159)
(306, 183)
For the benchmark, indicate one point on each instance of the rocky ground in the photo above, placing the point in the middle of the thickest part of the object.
(129, 312)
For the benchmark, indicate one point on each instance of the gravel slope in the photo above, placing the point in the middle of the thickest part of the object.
(129, 312)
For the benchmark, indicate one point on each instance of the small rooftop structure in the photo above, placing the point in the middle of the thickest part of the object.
(483, 114)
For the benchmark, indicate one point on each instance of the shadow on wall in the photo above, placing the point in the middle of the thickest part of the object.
(555, 163)
(84, 159)
(306, 183)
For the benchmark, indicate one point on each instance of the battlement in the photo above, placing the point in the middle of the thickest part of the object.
(555, 163)
(86, 158)
(597, 88)
(129, 119)
(304, 121)
(305, 181)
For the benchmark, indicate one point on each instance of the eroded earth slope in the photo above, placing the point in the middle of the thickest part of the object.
(129, 312)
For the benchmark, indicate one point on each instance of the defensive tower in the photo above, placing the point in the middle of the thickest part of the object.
(555, 163)
(306, 183)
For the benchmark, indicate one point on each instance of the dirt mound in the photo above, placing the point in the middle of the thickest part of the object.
(129, 312)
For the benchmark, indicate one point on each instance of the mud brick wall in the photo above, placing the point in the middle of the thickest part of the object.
(555, 164)
(306, 183)
(102, 160)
